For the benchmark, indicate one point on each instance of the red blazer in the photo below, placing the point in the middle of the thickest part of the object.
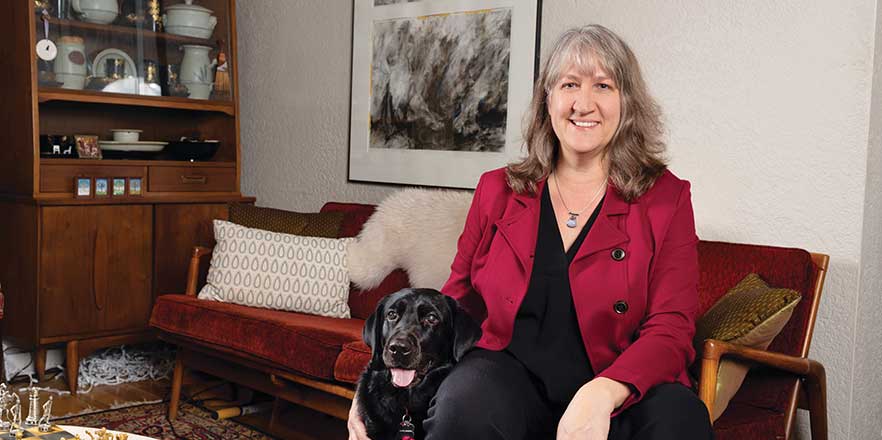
(636, 309)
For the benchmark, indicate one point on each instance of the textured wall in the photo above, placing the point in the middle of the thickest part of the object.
(294, 61)
(866, 418)
(768, 110)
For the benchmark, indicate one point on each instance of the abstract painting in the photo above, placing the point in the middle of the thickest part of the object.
(439, 88)
(454, 99)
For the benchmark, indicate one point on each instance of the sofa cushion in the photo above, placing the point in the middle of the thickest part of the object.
(742, 421)
(278, 271)
(354, 216)
(351, 362)
(306, 344)
(313, 224)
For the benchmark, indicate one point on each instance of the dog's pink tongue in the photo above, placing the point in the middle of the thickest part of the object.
(402, 378)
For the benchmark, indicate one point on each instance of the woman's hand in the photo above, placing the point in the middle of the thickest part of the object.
(587, 415)
(355, 425)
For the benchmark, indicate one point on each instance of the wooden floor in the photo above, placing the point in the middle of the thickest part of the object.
(296, 423)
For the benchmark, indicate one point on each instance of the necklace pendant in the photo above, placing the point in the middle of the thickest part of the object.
(571, 223)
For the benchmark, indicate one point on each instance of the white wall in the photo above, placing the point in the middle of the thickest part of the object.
(294, 61)
(867, 410)
(768, 106)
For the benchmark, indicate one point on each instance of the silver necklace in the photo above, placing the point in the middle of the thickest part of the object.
(572, 221)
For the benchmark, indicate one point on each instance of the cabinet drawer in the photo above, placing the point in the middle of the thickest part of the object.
(187, 179)
(60, 178)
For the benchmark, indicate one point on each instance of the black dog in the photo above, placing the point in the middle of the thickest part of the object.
(416, 336)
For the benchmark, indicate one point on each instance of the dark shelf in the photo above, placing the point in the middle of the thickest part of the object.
(124, 30)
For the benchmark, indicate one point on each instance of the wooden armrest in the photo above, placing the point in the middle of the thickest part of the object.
(193, 271)
(811, 371)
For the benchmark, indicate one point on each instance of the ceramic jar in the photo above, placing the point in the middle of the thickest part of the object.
(189, 20)
(70, 64)
(196, 70)
(96, 11)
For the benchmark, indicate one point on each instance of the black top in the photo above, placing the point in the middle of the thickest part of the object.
(546, 335)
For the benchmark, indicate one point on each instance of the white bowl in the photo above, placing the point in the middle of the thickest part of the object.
(98, 16)
(126, 135)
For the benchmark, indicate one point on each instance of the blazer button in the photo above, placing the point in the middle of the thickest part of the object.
(618, 254)
(620, 307)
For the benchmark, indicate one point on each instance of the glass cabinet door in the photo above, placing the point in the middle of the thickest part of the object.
(172, 48)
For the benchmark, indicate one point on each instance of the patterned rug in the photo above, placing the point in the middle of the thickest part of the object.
(193, 423)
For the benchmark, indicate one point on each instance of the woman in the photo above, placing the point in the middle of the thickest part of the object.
(581, 263)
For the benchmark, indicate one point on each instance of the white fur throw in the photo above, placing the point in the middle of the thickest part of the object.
(412, 229)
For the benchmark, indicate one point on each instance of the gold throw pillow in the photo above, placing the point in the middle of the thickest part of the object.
(750, 314)
(324, 224)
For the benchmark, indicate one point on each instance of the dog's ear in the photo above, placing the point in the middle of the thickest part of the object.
(372, 334)
(465, 330)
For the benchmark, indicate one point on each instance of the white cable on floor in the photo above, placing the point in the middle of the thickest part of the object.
(124, 364)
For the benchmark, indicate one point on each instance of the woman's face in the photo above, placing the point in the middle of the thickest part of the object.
(585, 110)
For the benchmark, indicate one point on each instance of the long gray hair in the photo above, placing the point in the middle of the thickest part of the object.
(636, 150)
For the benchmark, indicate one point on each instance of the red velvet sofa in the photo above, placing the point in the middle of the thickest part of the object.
(315, 361)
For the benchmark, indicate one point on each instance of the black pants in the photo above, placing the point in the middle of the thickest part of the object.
(490, 395)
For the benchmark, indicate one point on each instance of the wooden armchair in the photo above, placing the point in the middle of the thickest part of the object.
(783, 377)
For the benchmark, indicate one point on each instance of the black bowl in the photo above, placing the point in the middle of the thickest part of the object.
(192, 150)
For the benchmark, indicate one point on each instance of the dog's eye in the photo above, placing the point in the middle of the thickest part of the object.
(392, 315)
(431, 319)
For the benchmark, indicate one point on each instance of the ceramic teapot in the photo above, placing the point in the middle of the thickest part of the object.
(96, 11)
(189, 20)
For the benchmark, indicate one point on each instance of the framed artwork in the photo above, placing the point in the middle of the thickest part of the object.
(439, 88)
(119, 186)
(87, 146)
(135, 186)
(102, 187)
(82, 187)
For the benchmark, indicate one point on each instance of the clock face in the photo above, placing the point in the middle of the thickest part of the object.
(46, 50)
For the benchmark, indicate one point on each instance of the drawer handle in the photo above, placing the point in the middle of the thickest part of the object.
(194, 179)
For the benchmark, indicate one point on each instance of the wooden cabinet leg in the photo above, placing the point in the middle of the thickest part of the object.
(177, 380)
(73, 365)
(40, 363)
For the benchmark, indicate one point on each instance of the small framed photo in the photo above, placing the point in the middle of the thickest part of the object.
(87, 146)
(119, 186)
(82, 187)
(135, 186)
(102, 187)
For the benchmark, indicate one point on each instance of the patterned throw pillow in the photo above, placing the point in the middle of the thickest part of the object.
(313, 224)
(278, 271)
(750, 314)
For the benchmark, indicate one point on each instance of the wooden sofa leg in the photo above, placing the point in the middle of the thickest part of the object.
(816, 389)
(278, 406)
(177, 380)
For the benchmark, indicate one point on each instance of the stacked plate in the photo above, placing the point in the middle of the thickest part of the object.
(119, 149)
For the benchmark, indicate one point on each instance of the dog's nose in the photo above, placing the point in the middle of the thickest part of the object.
(399, 348)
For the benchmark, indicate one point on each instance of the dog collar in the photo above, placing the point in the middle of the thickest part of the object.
(406, 429)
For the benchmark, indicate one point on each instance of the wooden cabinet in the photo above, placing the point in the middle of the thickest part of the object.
(98, 281)
(84, 271)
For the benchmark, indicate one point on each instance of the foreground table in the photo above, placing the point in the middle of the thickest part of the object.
(81, 431)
